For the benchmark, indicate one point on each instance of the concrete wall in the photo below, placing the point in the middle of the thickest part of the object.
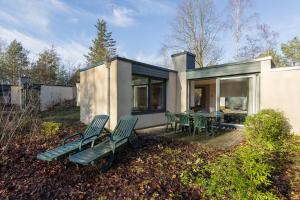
(77, 88)
(15, 95)
(51, 95)
(93, 93)
(180, 65)
(280, 89)
(124, 91)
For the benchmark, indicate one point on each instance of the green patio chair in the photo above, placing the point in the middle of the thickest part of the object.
(106, 149)
(89, 136)
(200, 123)
(171, 119)
(217, 117)
(184, 122)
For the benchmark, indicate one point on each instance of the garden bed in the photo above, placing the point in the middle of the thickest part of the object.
(153, 170)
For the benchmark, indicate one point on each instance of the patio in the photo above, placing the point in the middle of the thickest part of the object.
(222, 140)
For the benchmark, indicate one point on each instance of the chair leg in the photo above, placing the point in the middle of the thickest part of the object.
(194, 132)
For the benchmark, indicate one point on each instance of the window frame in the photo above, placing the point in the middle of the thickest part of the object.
(150, 110)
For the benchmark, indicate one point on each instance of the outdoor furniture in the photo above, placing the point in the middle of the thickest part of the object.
(216, 122)
(200, 123)
(184, 122)
(120, 136)
(91, 133)
(171, 119)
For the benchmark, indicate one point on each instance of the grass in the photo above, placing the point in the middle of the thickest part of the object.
(66, 115)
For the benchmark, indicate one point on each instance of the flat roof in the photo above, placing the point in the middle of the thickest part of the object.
(227, 69)
(129, 60)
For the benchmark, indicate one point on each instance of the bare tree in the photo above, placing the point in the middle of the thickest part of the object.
(196, 27)
(238, 20)
(268, 37)
(263, 43)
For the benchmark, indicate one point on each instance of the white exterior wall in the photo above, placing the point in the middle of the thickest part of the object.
(93, 93)
(77, 94)
(51, 95)
(280, 89)
(15, 95)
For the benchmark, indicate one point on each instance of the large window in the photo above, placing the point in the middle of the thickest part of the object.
(148, 94)
(236, 99)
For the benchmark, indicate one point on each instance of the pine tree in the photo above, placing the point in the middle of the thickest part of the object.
(103, 46)
(46, 69)
(14, 62)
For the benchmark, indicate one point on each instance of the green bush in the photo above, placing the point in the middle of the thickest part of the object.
(267, 126)
(243, 174)
(50, 128)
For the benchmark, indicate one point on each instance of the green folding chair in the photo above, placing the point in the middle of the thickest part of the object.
(171, 119)
(106, 149)
(200, 123)
(184, 122)
(69, 146)
(217, 118)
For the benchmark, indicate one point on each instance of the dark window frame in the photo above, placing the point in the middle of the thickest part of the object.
(150, 110)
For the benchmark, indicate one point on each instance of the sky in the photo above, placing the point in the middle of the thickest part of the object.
(140, 27)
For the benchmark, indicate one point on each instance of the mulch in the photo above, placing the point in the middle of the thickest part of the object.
(150, 171)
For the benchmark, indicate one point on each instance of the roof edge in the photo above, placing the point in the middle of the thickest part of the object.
(127, 60)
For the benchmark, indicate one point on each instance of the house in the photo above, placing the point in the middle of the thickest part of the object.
(125, 86)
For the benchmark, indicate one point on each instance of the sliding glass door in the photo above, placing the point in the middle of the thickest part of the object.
(236, 98)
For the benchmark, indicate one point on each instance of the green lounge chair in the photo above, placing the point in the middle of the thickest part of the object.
(91, 133)
(120, 136)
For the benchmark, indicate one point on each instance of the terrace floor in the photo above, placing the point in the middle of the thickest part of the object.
(222, 139)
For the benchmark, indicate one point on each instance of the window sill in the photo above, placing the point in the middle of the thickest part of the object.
(147, 112)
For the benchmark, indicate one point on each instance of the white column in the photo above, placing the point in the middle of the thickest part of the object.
(218, 94)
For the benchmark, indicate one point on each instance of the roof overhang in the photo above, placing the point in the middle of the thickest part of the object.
(230, 69)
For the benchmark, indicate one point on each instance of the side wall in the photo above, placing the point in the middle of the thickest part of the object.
(51, 95)
(280, 89)
(93, 93)
(15, 95)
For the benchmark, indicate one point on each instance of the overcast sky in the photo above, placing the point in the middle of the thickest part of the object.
(139, 26)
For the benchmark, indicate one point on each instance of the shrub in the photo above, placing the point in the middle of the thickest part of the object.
(50, 128)
(243, 174)
(267, 126)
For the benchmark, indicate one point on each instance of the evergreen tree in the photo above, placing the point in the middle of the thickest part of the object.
(74, 78)
(103, 46)
(14, 61)
(47, 68)
(291, 50)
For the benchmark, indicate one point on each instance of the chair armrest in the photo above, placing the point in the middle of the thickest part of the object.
(121, 140)
(113, 143)
(71, 136)
(83, 140)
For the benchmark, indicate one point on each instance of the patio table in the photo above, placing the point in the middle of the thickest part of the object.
(207, 115)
